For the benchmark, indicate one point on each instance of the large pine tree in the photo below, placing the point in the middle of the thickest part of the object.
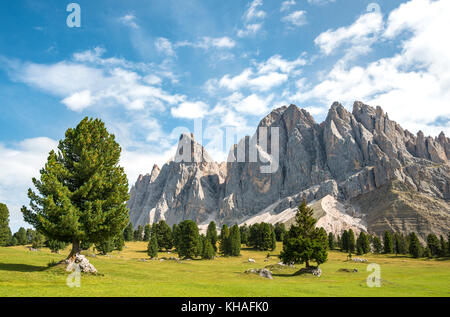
(211, 235)
(304, 242)
(82, 191)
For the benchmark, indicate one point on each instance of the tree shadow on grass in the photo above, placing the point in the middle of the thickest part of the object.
(21, 267)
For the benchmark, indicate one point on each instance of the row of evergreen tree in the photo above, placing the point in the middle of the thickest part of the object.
(391, 243)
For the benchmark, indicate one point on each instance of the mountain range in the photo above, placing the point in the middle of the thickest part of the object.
(357, 169)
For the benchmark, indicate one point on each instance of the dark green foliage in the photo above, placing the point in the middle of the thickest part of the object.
(415, 247)
(55, 246)
(110, 244)
(280, 231)
(303, 242)
(331, 242)
(362, 244)
(147, 232)
(138, 234)
(433, 244)
(224, 241)
(245, 233)
(188, 239)
(448, 244)
(208, 250)
(164, 235)
(21, 236)
(235, 241)
(377, 246)
(266, 237)
(427, 253)
(400, 244)
(85, 245)
(442, 247)
(82, 190)
(262, 236)
(128, 232)
(13, 241)
(152, 248)
(37, 241)
(211, 235)
(344, 241)
(274, 240)
(5, 232)
(351, 241)
(176, 235)
(388, 242)
(30, 235)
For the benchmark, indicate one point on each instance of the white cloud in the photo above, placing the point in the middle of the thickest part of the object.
(359, 36)
(253, 12)
(250, 29)
(19, 163)
(413, 86)
(106, 82)
(265, 75)
(285, 5)
(190, 110)
(129, 20)
(164, 46)
(254, 105)
(296, 18)
(320, 2)
(209, 42)
(253, 18)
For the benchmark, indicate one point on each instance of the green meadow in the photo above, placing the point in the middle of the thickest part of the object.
(27, 273)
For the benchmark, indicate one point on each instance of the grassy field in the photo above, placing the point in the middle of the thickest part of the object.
(25, 273)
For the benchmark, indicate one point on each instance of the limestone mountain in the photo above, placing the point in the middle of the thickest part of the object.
(378, 173)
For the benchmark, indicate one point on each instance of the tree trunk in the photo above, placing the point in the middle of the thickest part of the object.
(75, 250)
(307, 263)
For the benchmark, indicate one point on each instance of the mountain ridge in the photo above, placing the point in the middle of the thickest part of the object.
(348, 155)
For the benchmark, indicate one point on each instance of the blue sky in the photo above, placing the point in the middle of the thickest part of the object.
(150, 68)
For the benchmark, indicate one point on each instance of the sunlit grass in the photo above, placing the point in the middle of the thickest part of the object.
(25, 273)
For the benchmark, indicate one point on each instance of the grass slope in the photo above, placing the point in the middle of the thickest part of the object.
(25, 273)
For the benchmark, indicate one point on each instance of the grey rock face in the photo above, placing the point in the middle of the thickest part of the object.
(347, 155)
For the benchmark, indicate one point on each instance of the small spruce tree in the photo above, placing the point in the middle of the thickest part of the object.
(152, 248)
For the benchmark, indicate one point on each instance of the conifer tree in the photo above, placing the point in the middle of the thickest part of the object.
(245, 231)
(128, 233)
(82, 190)
(280, 231)
(234, 241)
(139, 233)
(21, 236)
(211, 235)
(415, 247)
(433, 244)
(266, 237)
(147, 232)
(189, 239)
(208, 250)
(304, 242)
(331, 242)
(442, 247)
(224, 241)
(351, 241)
(37, 241)
(5, 232)
(152, 248)
(344, 241)
(377, 246)
(176, 235)
(274, 240)
(388, 243)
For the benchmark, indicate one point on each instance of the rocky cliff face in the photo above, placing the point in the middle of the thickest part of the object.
(348, 156)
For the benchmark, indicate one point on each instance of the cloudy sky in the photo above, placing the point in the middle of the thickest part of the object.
(150, 69)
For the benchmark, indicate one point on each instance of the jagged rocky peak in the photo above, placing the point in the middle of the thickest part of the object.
(189, 151)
